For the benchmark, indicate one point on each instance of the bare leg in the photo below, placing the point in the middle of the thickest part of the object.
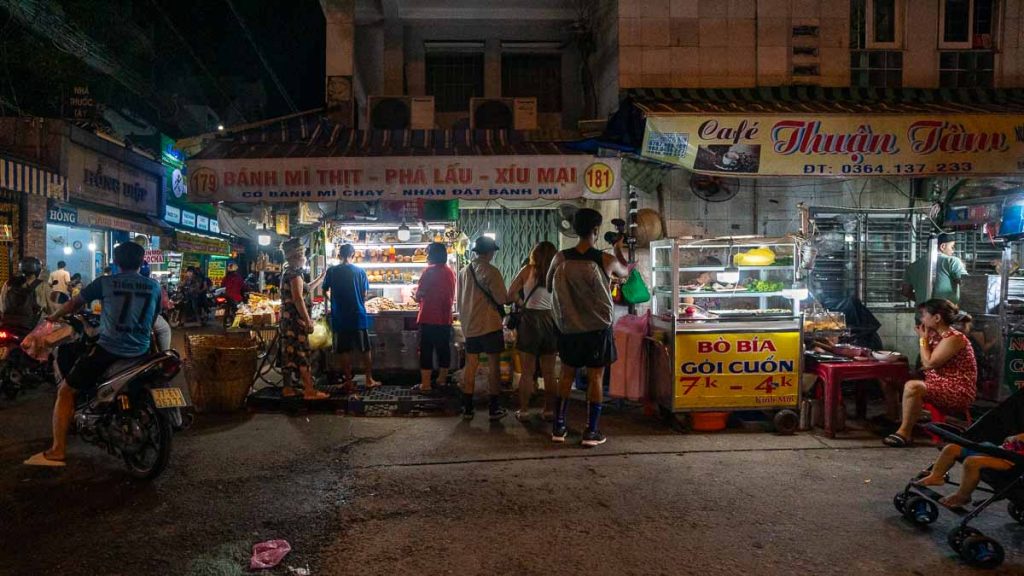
(937, 477)
(494, 374)
(913, 398)
(442, 376)
(368, 369)
(891, 391)
(63, 412)
(527, 382)
(972, 475)
(547, 370)
(595, 385)
(565, 382)
(309, 393)
(469, 373)
(425, 379)
(346, 365)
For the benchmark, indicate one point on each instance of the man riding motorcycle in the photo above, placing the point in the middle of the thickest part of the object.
(130, 306)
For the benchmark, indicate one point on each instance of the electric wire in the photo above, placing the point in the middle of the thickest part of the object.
(259, 53)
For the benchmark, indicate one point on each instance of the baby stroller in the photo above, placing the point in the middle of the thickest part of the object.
(919, 504)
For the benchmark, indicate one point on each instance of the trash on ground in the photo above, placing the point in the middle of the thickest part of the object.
(269, 554)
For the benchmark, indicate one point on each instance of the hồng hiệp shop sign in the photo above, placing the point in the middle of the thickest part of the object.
(554, 177)
(839, 145)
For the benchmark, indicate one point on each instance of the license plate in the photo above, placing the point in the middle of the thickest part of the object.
(168, 397)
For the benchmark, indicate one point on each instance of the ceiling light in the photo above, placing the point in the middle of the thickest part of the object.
(67, 250)
(92, 246)
(264, 240)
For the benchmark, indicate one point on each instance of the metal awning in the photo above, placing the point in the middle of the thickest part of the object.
(820, 100)
(28, 179)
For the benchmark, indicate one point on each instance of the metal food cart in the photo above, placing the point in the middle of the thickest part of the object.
(734, 336)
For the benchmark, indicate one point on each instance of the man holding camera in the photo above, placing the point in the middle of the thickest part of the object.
(580, 281)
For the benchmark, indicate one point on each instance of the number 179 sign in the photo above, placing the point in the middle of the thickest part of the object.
(737, 370)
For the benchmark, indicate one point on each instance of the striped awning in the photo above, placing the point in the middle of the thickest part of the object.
(27, 179)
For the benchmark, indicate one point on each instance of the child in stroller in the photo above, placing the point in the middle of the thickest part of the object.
(974, 462)
(997, 470)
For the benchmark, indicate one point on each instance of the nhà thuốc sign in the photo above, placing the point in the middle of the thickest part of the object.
(839, 145)
(555, 177)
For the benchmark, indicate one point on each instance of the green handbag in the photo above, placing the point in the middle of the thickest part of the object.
(634, 289)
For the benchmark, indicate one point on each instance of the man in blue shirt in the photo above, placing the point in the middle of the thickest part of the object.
(130, 306)
(347, 286)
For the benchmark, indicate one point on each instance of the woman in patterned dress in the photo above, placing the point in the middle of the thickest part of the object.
(950, 371)
(296, 325)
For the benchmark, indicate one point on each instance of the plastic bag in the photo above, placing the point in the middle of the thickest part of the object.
(269, 554)
(321, 336)
(42, 339)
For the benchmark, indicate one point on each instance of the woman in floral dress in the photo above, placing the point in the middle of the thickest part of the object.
(296, 325)
(950, 370)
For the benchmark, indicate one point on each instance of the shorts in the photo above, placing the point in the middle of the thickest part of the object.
(538, 334)
(351, 341)
(587, 349)
(966, 453)
(435, 338)
(493, 343)
(85, 374)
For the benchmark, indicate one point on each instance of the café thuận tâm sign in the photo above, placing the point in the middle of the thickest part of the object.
(555, 177)
(839, 145)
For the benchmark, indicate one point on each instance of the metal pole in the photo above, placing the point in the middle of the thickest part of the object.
(933, 260)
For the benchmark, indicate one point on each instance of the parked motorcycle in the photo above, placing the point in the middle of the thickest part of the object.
(226, 307)
(18, 370)
(132, 412)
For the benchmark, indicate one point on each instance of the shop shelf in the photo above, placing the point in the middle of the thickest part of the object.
(397, 245)
(382, 286)
(389, 265)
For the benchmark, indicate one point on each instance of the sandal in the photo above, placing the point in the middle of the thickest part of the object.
(318, 395)
(371, 384)
(418, 389)
(897, 441)
(40, 459)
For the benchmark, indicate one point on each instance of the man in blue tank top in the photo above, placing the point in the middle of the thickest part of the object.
(130, 306)
(580, 281)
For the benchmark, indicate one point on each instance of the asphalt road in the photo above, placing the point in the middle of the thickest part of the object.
(434, 495)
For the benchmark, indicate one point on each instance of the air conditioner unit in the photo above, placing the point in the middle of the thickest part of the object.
(400, 112)
(503, 113)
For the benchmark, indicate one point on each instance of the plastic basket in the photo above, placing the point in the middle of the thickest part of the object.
(220, 370)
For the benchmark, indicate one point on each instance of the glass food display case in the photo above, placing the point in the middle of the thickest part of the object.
(728, 310)
(394, 255)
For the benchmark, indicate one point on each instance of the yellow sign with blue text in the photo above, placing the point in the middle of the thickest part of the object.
(737, 370)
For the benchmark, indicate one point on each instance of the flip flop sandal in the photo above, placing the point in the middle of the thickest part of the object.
(428, 392)
(896, 441)
(370, 386)
(40, 459)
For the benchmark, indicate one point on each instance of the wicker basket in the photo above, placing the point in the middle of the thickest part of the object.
(220, 371)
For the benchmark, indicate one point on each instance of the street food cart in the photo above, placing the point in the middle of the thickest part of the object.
(728, 309)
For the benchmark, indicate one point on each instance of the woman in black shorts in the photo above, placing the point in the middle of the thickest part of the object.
(537, 339)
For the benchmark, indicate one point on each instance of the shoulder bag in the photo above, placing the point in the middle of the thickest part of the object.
(515, 317)
(494, 302)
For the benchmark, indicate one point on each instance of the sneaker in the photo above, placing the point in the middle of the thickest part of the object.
(523, 415)
(591, 439)
(468, 414)
(559, 434)
(497, 414)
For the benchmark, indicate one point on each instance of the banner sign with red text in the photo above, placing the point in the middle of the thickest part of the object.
(839, 145)
(555, 177)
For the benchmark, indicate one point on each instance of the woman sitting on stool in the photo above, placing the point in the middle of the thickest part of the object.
(950, 371)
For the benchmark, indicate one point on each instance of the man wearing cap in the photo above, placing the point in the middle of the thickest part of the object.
(948, 271)
(482, 297)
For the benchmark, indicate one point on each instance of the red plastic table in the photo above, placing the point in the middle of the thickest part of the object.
(833, 374)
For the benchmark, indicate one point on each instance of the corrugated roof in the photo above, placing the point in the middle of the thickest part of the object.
(315, 136)
(819, 100)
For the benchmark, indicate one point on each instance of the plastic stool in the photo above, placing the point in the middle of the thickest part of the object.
(939, 417)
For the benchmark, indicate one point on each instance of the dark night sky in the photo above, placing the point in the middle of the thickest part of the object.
(290, 35)
(35, 76)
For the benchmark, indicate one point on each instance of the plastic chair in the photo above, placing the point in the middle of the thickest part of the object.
(939, 417)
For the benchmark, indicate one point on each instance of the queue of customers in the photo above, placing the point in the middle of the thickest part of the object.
(566, 304)
(567, 309)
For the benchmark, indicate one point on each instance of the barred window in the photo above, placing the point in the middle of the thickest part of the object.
(876, 69)
(537, 75)
(966, 69)
(453, 78)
